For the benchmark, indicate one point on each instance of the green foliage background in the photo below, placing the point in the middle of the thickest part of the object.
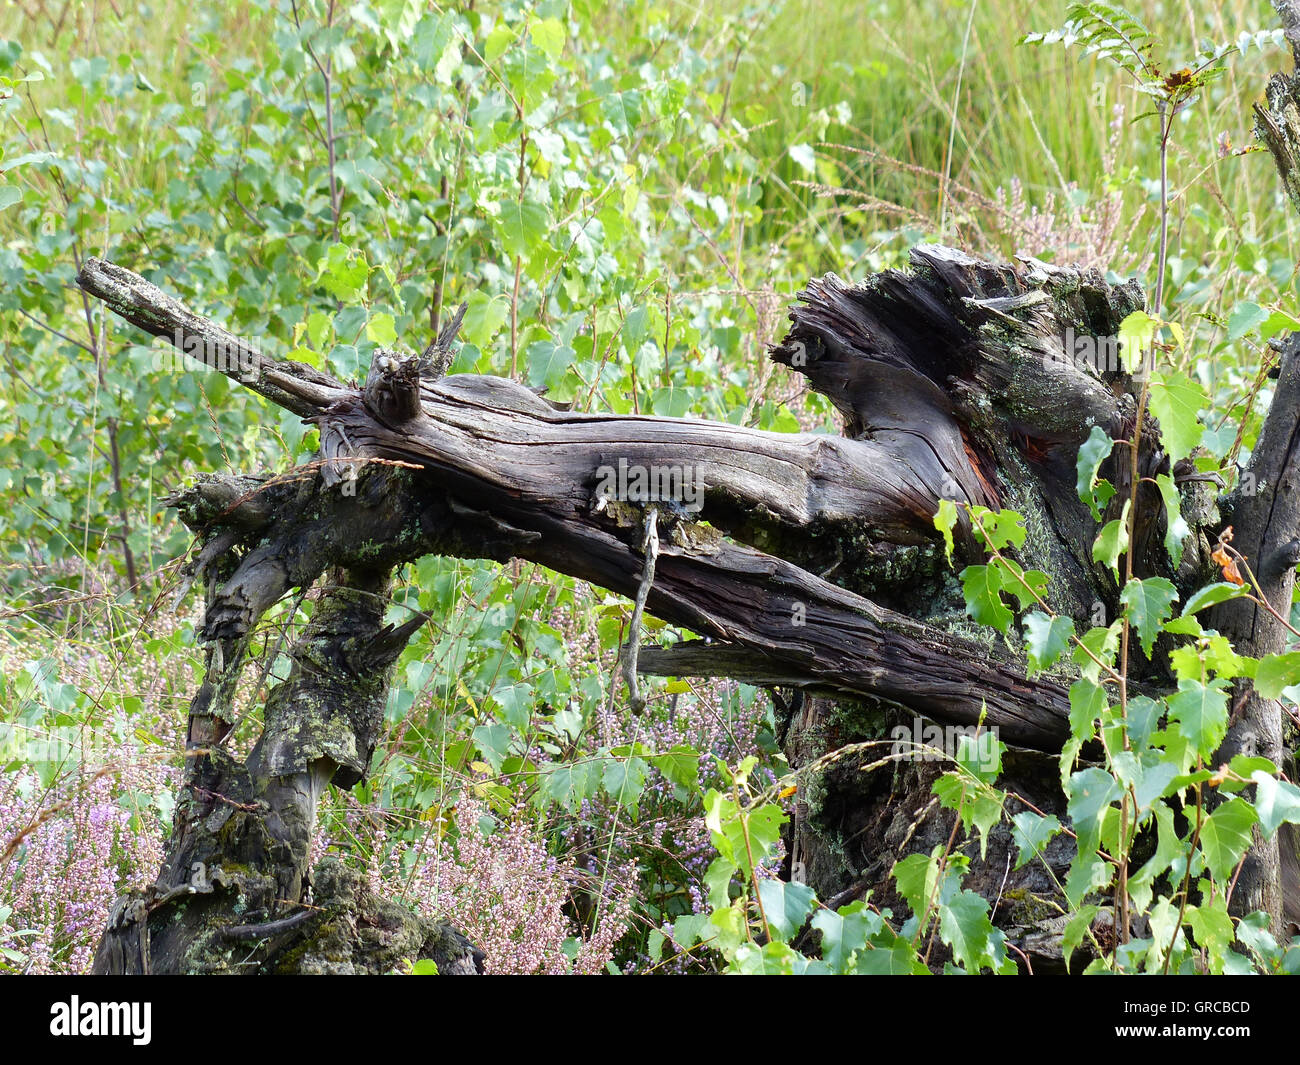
(627, 196)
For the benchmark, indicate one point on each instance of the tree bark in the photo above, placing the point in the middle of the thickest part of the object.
(955, 383)
(1265, 514)
(802, 562)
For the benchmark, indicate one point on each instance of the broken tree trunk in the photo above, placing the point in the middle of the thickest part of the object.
(955, 381)
(805, 563)
(234, 893)
(1267, 524)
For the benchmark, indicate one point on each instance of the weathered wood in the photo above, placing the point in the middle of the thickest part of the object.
(955, 382)
(1266, 524)
(998, 375)
(232, 894)
(495, 453)
(1277, 120)
(147, 307)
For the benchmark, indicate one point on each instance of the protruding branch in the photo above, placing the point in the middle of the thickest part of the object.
(146, 306)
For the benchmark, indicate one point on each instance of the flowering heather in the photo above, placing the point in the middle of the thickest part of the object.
(1088, 236)
(665, 839)
(84, 841)
(83, 808)
(509, 895)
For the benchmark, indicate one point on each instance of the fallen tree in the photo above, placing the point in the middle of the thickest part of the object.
(805, 563)
(954, 384)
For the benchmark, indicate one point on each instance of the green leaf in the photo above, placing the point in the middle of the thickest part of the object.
(320, 327)
(915, 876)
(624, 780)
(1212, 595)
(1168, 847)
(1166, 933)
(429, 40)
(964, 925)
(945, 519)
(771, 959)
(890, 955)
(1087, 703)
(1143, 716)
(981, 755)
(1245, 765)
(1046, 639)
(1176, 527)
(1225, 835)
(1276, 801)
(9, 195)
(494, 742)
(846, 933)
(1032, 832)
(1112, 541)
(1001, 528)
(738, 834)
(1029, 586)
(501, 37)
(1176, 400)
(1091, 455)
(1091, 791)
(522, 227)
(690, 929)
(484, 317)
(1076, 929)
(1135, 334)
(981, 585)
(1152, 781)
(569, 783)
(1213, 929)
(1089, 872)
(1103, 643)
(717, 884)
(1253, 931)
(1276, 322)
(950, 789)
(343, 273)
(1276, 672)
(680, 765)
(977, 807)
(764, 825)
(382, 330)
(1147, 604)
(1201, 711)
(548, 35)
(1245, 318)
(785, 905)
